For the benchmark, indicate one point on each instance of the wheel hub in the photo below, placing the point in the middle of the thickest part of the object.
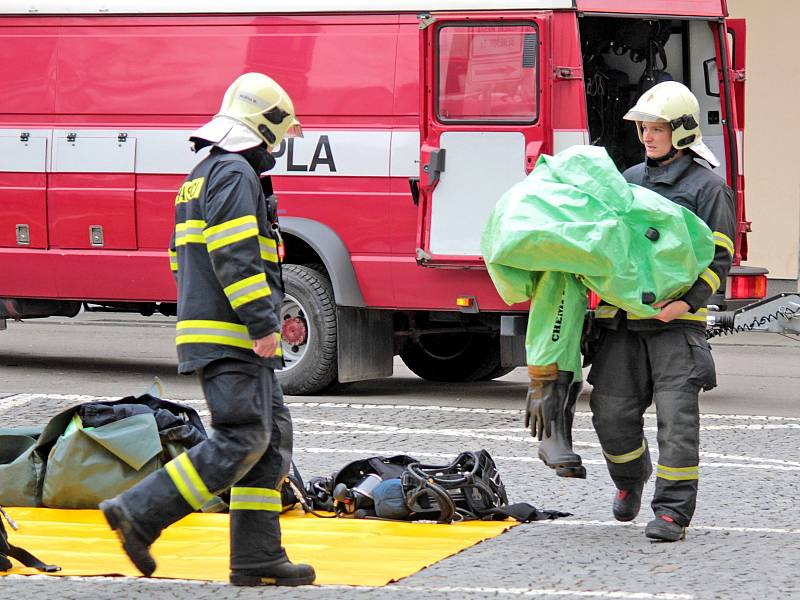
(294, 331)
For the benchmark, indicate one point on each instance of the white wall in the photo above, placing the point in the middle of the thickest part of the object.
(772, 133)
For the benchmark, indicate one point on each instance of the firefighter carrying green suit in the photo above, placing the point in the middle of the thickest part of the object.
(225, 257)
(576, 223)
(666, 359)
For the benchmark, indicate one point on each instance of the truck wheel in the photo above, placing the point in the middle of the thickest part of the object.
(497, 372)
(453, 356)
(308, 331)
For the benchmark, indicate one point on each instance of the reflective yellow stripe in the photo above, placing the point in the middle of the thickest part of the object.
(190, 190)
(182, 240)
(212, 332)
(247, 290)
(700, 315)
(217, 332)
(190, 224)
(188, 481)
(250, 296)
(230, 232)
(605, 311)
(251, 498)
(269, 249)
(173, 260)
(212, 339)
(678, 473)
(720, 239)
(628, 457)
(190, 231)
(711, 278)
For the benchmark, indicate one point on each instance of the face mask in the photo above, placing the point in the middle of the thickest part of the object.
(258, 158)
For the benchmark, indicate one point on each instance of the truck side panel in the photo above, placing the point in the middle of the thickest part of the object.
(137, 75)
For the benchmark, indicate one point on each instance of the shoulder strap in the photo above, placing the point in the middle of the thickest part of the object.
(20, 554)
(522, 512)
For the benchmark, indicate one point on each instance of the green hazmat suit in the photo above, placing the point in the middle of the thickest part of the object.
(575, 223)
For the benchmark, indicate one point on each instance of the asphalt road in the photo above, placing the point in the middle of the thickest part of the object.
(743, 543)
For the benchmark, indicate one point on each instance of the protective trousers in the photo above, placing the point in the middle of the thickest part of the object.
(250, 449)
(631, 370)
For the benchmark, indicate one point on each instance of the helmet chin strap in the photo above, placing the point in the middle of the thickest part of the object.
(671, 154)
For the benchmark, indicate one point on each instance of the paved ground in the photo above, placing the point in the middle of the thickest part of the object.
(744, 542)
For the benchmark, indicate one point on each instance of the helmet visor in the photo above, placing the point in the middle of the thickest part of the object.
(638, 115)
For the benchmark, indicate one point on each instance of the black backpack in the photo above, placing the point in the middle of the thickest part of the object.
(403, 488)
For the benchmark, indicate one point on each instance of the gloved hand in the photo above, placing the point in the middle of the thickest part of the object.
(541, 407)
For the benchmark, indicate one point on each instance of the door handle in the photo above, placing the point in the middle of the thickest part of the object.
(707, 77)
(435, 166)
(532, 152)
(413, 184)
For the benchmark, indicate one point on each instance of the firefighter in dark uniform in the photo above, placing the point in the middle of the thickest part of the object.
(663, 360)
(225, 256)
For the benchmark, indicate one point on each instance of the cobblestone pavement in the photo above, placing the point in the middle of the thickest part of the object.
(743, 543)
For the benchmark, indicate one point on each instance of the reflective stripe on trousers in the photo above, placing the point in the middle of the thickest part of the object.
(188, 481)
(254, 498)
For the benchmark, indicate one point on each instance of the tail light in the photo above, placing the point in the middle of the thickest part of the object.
(747, 286)
(592, 300)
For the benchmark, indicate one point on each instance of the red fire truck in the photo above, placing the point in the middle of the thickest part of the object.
(418, 116)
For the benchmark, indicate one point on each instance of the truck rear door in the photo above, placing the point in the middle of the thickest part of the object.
(482, 124)
(733, 82)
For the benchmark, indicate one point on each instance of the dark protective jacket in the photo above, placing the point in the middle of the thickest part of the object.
(224, 254)
(698, 189)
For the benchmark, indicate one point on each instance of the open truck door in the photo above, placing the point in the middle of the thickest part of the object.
(484, 99)
(744, 283)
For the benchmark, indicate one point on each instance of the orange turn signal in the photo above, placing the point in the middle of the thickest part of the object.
(465, 301)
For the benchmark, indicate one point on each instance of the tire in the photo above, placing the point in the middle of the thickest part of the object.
(496, 373)
(318, 267)
(454, 357)
(308, 315)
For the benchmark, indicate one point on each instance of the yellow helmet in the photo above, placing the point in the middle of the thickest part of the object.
(673, 103)
(260, 103)
(255, 110)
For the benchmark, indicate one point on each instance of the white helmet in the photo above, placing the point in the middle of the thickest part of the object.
(673, 103)
(255, 110)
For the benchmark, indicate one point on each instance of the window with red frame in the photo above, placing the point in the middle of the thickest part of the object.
(488, 73)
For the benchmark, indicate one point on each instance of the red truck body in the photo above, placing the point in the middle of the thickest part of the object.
(416, 121)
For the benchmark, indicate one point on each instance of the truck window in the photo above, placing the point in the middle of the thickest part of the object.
(488, 74)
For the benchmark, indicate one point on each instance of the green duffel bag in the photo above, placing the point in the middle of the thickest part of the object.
(88, 465)
(20, 470)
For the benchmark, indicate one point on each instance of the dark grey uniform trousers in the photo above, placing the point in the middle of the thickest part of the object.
(633, 369)
(250, 448)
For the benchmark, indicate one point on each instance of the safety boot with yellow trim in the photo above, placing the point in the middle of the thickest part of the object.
(257, 557)
(135, 546)
(285, 573)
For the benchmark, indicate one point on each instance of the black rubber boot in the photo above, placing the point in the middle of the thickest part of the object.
(257, 556)
(627, 502)
(135, 546)
(552, 396)
(286, 573)
(664, 529)
(569, 416)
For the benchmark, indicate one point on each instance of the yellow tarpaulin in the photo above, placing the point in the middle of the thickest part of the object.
(342, 551)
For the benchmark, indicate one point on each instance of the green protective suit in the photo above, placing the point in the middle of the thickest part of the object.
(575, 223)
